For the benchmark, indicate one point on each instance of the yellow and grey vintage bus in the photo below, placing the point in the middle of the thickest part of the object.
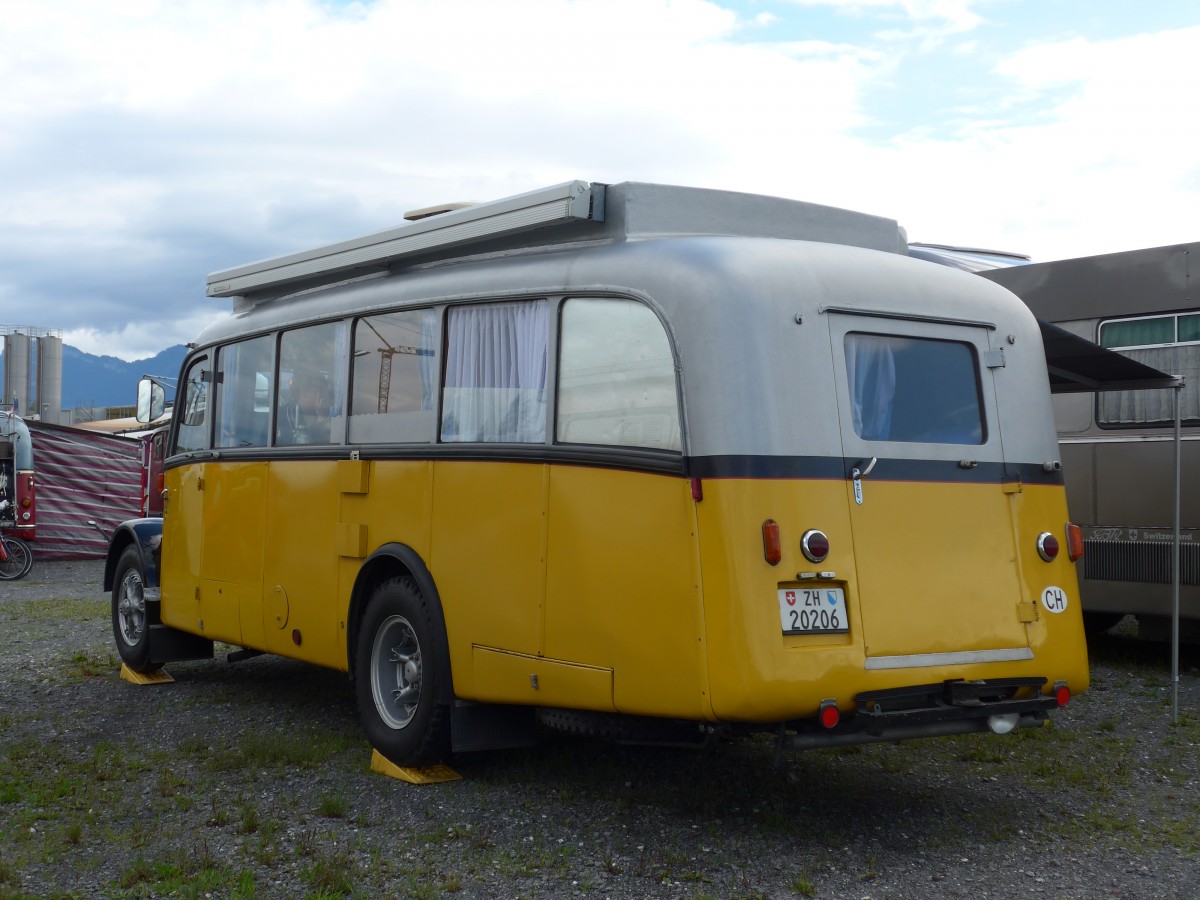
(641, 461)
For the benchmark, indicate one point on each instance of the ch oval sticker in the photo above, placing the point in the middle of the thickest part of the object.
(1054, 599)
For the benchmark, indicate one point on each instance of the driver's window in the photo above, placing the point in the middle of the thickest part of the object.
(192, 407)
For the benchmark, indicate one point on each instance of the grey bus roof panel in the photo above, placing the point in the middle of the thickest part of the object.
(715, 293)
(567, 213)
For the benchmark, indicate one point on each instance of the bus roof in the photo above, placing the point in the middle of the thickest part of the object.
(566, 213)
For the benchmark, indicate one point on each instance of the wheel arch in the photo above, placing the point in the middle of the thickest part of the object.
(146, 535)
(389, 561)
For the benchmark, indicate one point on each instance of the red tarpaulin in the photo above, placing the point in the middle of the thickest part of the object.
(82, 475)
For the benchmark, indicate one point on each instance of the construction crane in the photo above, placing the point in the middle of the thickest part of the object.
(386, 353)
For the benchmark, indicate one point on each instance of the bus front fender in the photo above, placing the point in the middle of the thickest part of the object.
(146, 535)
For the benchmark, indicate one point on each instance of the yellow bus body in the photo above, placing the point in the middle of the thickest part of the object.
(555, 595)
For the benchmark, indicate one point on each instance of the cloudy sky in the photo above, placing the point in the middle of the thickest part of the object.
(145, 144)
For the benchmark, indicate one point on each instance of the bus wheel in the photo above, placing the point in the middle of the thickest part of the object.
(130, 616)
(396, 676)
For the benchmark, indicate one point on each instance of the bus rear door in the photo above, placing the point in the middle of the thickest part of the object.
(927, 493)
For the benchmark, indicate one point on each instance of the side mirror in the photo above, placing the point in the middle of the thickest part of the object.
(151, 400)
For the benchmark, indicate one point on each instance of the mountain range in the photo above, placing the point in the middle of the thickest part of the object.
(99, 381)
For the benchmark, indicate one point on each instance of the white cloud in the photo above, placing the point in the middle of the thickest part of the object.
(922, 18)
(1110, 153)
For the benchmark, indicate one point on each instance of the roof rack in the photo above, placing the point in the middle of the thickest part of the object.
(568, 213)
(570, 201)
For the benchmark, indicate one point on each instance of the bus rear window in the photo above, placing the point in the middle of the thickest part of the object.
(916, 390)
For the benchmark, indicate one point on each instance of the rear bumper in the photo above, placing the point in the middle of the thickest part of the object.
(932, 710)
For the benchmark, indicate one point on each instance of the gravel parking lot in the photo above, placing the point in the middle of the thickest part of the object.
(253, 779)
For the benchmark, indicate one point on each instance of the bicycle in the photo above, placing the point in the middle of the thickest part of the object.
(16, 558)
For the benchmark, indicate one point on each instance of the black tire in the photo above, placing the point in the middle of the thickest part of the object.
(399, 665)
(20, 559)
(131, 615)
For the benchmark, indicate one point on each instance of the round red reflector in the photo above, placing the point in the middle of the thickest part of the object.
(830, 716)
(814, 545)
(1063, 695)
(1047, 546)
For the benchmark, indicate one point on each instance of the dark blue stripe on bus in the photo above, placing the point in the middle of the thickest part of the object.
(744, 466)
(836, 467)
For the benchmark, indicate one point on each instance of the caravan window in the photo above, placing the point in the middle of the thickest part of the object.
(1169, 343)
(913, 389)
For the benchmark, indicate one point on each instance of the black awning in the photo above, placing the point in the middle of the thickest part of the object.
(1076, 365)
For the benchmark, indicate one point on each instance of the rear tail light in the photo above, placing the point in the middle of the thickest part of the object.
(1074, 541)
(814, 545)
(1047, 546)
(772, 548)
(829, 714)
(1062, 693)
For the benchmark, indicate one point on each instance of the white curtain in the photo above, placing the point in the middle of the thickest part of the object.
(1138, 407)
(871, 369)
(496, 372)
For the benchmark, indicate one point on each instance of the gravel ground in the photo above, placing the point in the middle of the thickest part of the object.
(252, 779)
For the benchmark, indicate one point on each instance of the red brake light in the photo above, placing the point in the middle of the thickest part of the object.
(1062, 694)
(1074, 541)
(815, 545)
(1047, 546)
(829, 715)
(772, 548)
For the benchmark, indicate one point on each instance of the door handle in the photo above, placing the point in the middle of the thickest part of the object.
(857, 474)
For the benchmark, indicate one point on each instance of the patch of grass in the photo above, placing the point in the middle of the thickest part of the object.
(279, 750)
(802, 887)
(330, 874)
(250, 819)
(71, 609)
(333, 806)
(91, 665)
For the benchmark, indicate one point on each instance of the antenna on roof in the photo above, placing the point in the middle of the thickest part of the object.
(415, 215)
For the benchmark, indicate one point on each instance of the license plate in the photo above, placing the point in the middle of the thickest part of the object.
(815, 610)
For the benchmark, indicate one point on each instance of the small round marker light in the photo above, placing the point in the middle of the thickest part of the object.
(814, 545)
(1047, 546)
(1062, 694)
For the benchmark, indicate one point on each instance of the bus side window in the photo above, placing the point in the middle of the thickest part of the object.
(395, 375)
(616, 376)
(243, 389)
(192, 405)
(495, 381)
(312, 363)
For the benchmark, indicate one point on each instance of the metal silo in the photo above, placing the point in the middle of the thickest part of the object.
(49, 378)
(16, 370)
